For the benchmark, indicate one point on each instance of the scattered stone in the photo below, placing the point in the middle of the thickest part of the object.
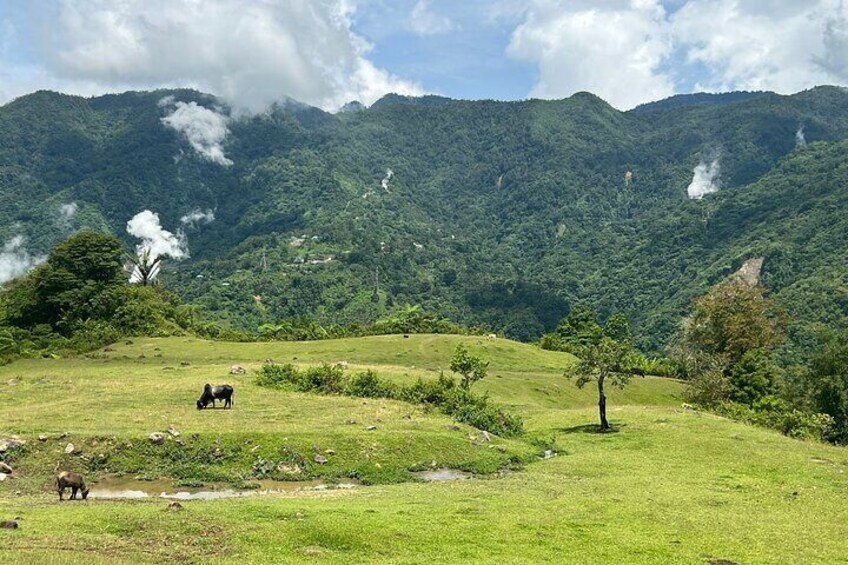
(63, 435)
(484, 436)
(175, 507)
(433, 464)
(255, 448)
(548, 454)
(289, 469)
(107, 349)
(312, 551)
(4, 468)
(156, 438)
(237, 370)
(9, 525)
(298, 515)
(3, 477)
(268, 361)
(320, 459)
(173, 431)
(341, 364)
(502, 449)
(180, 442)
(218, 452)
(330, 451)
(70, 448)
(350, 421)
(454, 428)
(42, 437)
(370, 428)
(686, 406)
(94, 443)
(12, 382)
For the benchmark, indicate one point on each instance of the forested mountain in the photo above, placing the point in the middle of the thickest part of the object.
(499, 213)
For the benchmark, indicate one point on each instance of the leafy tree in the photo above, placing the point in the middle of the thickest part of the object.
(828, 383)
(605, 358)
(727, 342)
(470, 367)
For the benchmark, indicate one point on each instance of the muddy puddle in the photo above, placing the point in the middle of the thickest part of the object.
(442, 475)
(130, 488)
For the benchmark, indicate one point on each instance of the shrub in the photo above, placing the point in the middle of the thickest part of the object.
(369, 385)
(774, 413)
(278, 376)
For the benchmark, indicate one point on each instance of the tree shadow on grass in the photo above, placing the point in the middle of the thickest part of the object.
(591, 429)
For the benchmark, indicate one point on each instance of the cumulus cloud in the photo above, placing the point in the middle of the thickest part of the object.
(251, 53)
(614, 49)
(15, 260)
(424, 21)
(704, 180)
(800, 138)
(630, 52)
(155, 241)
(204, 129)
(385, 182)
(197, 216)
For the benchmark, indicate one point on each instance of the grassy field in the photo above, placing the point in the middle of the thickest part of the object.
(671, 486)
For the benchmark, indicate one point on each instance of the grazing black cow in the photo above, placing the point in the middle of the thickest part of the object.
(213, 393)
(74, 481)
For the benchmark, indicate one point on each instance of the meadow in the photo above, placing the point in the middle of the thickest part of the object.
(670, 485)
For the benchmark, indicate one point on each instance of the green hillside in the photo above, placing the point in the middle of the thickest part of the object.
(671, 486)
(498, 213)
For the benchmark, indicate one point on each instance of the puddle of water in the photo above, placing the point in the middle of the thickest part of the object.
(442, 475)
(129, 488)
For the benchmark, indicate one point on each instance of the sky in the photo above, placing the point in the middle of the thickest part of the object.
(329, 52)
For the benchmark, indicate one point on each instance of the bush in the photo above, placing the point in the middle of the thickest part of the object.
(443, 393)
(369, 385)
(774, 413)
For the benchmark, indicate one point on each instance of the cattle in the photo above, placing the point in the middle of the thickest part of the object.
(213, 393)
(74, 481)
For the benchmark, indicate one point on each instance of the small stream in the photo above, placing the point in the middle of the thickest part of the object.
(437, 475)
(112, 487)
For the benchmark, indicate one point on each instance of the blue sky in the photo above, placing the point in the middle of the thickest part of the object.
(326, 52)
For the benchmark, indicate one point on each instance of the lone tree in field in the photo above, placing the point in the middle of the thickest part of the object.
(607, 357)
(470, 367)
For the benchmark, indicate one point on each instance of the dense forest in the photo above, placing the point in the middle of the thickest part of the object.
(498, 214)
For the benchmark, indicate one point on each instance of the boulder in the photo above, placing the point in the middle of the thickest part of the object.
(156, 438)
(70, 448)
(3, 477)
(4, 468)
(237, 370)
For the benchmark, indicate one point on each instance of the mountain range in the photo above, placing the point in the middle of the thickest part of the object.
(503, 214)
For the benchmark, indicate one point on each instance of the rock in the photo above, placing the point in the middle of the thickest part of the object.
(341, 364)
(173, 431)
(70, 448)
(3, 477)
(12, 382)
(63, 435)
(108, 349)
(548, 454)
(330, 451)
(320, 459)
(180, 442)
(502, 449)
(175, 507)
(454, 428)
(370, 428)
(350, 421)
(4, 468)
(9, 525)
(156, 438)
(484, 436)
(237, 370)
(255, 448)
(298, 515)
(289, 469)
(217, 452)
(10, 443)
(42, 437)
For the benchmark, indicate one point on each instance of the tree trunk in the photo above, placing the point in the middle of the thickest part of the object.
(602, 405)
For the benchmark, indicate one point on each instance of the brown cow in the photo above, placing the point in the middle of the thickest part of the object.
(74, 481)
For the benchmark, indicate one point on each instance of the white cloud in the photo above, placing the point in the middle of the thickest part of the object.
(156, 241)
(66, 215)
(249, 52)
(785, 45)
(204, 129)
(15, 260)
(704, 180)
(197, 216)
(424, 21)
(614, 49)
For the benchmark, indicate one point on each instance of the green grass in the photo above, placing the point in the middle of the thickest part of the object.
(671, 486)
